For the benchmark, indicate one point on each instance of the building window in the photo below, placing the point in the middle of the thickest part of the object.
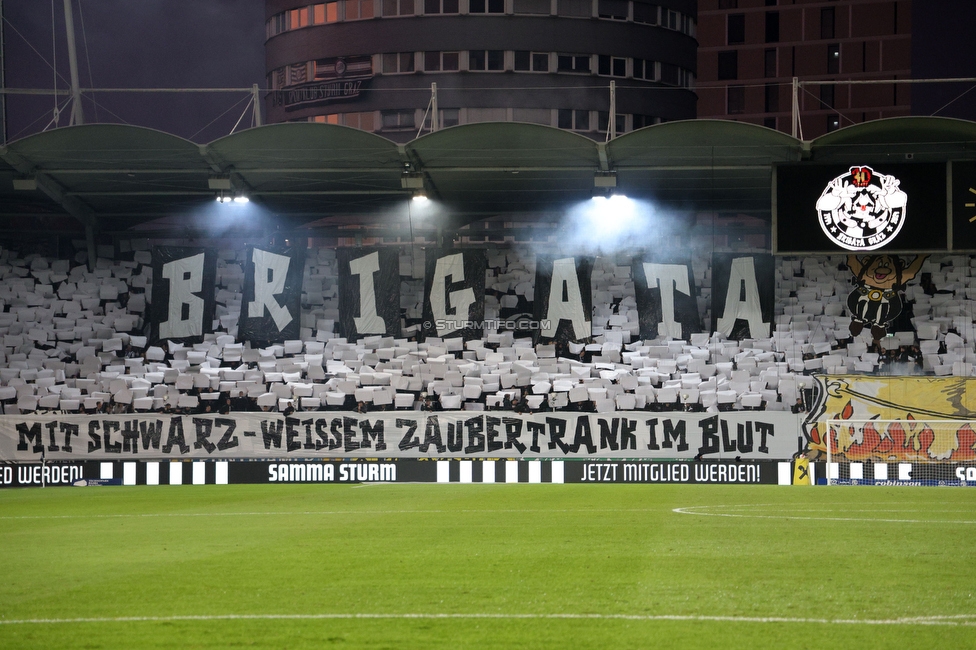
(736, 29)
(833, 123)
(736, 100)
(450, 117)
(574, 8)
(532, 7)
(645, 69)
(640, 121)
(772, 27)
(573, 63)
(531, 61)
(398, 7)
(486, 60)
(441, 7)
(325, 13)
(332, 118)
(827, 22)
(728, 4)
(826, 96)
(670, 74)
(603, 122)
(612, 9)
(486, 6)
(573, 120)
(612, 66)
(364, 121)
(833, 58)
(398, 62)
(442, 61)
(645, 13)
(769, 123)
(728, 65)
(298, 18)
(772, 98)
(398, 120)
(769, 63)
(359, 9)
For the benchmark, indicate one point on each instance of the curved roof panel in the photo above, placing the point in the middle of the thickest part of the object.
(925, 138)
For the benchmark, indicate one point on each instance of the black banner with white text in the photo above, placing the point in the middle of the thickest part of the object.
(747, 435)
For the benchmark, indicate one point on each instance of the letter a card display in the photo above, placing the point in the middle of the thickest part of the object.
(563, 298)
(743, 295)
(271, 308)
(369, 292)
(454, 293)
(182, 293)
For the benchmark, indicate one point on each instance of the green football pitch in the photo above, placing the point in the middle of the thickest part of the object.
(488, 566)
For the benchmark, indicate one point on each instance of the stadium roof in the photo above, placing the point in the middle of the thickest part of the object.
(118, 178)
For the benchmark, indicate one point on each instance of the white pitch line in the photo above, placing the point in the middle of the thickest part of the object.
(964, 620)
(325, 512)
(691, 510)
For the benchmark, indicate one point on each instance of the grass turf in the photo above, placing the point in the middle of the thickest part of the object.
(589, 553)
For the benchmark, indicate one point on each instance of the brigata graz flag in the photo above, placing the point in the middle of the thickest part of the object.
(271, 309)
(369, 292)
(563, 298)
(743, 294)
(666, 296)
(454, 292)
(182, 293)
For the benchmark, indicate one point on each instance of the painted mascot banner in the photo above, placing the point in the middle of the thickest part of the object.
(903, 419)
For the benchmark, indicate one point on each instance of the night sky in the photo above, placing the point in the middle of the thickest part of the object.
(139, 43)
(220, 43)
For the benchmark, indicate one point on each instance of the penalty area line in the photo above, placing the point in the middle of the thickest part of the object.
(694, 510)
(966, 620)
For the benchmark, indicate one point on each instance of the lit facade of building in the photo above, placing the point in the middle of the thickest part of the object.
(370, 64)
(750, 50)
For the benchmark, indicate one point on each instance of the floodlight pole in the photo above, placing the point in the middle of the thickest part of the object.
(435, 122)
(612, 122)
(77, 115)
(256, 105)
(796, 107)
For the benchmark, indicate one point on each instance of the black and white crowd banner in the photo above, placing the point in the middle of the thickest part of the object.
(743, 295)
(666, 297)
(454, 293)
(407, 434)
(271, 308)
(369, 292)
(563, 298)
(182, 293)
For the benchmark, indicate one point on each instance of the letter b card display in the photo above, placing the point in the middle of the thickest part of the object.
(369, 292)
(182, 293)
(271, 309)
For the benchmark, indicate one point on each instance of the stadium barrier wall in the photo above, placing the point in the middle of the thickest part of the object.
(390, 470)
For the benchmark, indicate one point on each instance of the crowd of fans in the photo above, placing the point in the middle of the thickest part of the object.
(76, 341)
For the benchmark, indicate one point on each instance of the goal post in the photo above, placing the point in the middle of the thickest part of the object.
(899, 452)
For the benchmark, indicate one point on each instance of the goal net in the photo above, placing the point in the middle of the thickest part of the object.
(900, 452)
